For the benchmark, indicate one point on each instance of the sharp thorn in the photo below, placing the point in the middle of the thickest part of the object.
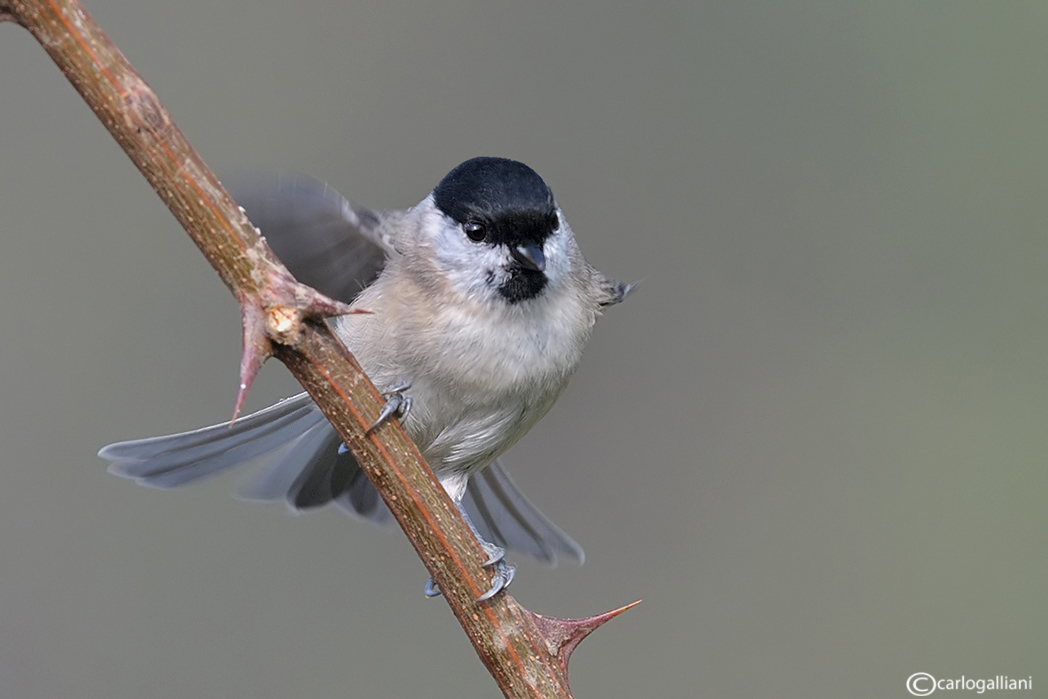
(255, 350)
(564, 635)
(312, 303)
(320, 306)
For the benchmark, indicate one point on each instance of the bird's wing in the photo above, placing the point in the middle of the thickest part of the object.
(326, 241)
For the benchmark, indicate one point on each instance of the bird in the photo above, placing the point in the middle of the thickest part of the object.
(479, 305)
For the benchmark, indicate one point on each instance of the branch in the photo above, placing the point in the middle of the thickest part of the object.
(526, 653)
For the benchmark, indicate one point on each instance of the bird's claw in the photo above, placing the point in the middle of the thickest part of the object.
(431, 589)
(503, 576)
(495, 553)
(397, 405)
(504, 573)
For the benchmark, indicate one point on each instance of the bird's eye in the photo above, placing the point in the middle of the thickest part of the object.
(554, 222)
(476, 231)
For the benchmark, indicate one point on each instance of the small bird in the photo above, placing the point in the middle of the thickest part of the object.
(477, 318)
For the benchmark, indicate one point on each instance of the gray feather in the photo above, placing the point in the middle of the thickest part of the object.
(340, 248)
(305, 469)
(174, 460)
(327, 242)
(503, 515)
(362, 501)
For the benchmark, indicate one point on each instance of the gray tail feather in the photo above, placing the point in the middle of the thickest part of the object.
(174, 460)
(505, 516)
(305, 469)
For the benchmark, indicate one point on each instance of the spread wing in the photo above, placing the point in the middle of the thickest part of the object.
(326, 241)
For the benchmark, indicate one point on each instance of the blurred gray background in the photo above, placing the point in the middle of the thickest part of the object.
(813, 442)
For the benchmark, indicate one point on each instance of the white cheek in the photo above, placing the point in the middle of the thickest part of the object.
(558, 258)
(472, 269)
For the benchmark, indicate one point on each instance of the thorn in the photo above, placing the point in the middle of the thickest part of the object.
(275, 314)
(320, 306)
(308, 300)
(562, 636)
(256, 349)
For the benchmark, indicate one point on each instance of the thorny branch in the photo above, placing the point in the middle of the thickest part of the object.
(526, 653)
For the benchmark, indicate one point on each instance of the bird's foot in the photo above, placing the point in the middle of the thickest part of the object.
(503, 573)
(397, 405)
(503, 576)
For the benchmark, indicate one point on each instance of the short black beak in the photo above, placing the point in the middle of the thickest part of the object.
(530, 255)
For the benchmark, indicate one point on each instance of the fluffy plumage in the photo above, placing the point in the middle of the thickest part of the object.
(483, 306)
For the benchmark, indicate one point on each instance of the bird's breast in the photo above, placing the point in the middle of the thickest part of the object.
(480, 378)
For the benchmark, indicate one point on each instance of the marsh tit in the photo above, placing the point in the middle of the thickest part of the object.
(476, 320)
